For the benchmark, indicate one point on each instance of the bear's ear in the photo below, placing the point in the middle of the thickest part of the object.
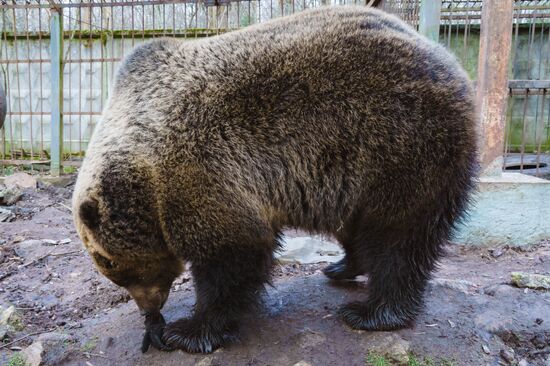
(89, 213)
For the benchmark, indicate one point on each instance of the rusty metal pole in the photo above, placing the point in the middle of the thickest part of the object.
(492, 81)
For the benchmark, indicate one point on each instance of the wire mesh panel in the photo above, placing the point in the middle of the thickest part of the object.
(96, 36)
(408, 10)
(528, 130)
(24, 73)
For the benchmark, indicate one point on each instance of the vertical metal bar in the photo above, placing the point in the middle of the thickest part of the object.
(523, 127)
(69, 66)
(430, 19)
(451, 9)
(19, 94)
(56, 57)
(508, 130)
(80, 77)
(41, 155)
(492, 81)
(29, 65)
(539, 136)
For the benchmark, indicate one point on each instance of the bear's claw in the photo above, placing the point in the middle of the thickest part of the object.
(154, 329)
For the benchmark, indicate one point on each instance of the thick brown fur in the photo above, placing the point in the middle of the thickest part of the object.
(338, 120)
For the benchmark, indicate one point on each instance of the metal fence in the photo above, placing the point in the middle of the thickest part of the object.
(95, 35)
(528, 131)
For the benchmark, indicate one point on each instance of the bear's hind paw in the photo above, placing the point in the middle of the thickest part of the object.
(363, 316)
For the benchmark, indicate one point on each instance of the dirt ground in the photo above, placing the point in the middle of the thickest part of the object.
(473, 316)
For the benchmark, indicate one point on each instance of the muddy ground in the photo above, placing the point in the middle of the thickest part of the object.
(473, 316)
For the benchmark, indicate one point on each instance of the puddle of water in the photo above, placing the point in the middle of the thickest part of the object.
(308, 249)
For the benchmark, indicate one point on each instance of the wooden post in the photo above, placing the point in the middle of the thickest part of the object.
(56, 97)
(430, 19)
(492, 81)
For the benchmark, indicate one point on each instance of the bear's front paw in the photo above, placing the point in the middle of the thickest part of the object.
(367, 316)
(196, 336)
(341, 270)
(154, 328)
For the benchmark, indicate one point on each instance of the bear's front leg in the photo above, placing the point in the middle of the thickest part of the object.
(227, 285)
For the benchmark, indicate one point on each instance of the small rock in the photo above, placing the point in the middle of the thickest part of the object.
(28, 249)
(463, 286)
(6, 215)
(499, 290)
(20, 180)
(539, 321)
(497, 252)
(49, 242)
(330, 253)
(523, 362)
(395, 349)
(539, 341)
(207, 361)
(65, 241)
(309, 339)
(55, 348)
(18, 238)
(528, 280)
(9, 196)
(302, 363)
(508, 355)
(492, 321)
(7, 315)
(486, 349)
(33, 354)
(106, 342)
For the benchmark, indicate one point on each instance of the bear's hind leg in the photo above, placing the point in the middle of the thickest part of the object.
(227, 285)
(352, 264)
(399, 260)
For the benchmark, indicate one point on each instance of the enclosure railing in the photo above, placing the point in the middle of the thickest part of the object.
(93, 36)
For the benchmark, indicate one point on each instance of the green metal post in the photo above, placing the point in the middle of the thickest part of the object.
(430, 19)
(56, 98)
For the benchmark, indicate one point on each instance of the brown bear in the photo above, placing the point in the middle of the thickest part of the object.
(338, 120)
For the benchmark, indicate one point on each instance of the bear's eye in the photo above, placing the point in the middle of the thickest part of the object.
(103, 262)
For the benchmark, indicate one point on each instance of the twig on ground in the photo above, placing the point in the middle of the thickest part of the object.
(33, 334)
(89, 354)
(67, 207)
(39, 258)
(25, 337)
(51, 253)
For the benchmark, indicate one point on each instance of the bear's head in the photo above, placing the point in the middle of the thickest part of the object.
(117, 219)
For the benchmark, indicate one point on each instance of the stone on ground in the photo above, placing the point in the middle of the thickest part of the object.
(529, 280)
(20, 180)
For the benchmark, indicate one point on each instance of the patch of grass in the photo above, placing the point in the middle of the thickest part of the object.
(428, 361)
(447, 362)
(90, 345)
(16, 360)
(374, 359)
(413, 361)
(16, 323)
(69, 169)
(8, 170)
